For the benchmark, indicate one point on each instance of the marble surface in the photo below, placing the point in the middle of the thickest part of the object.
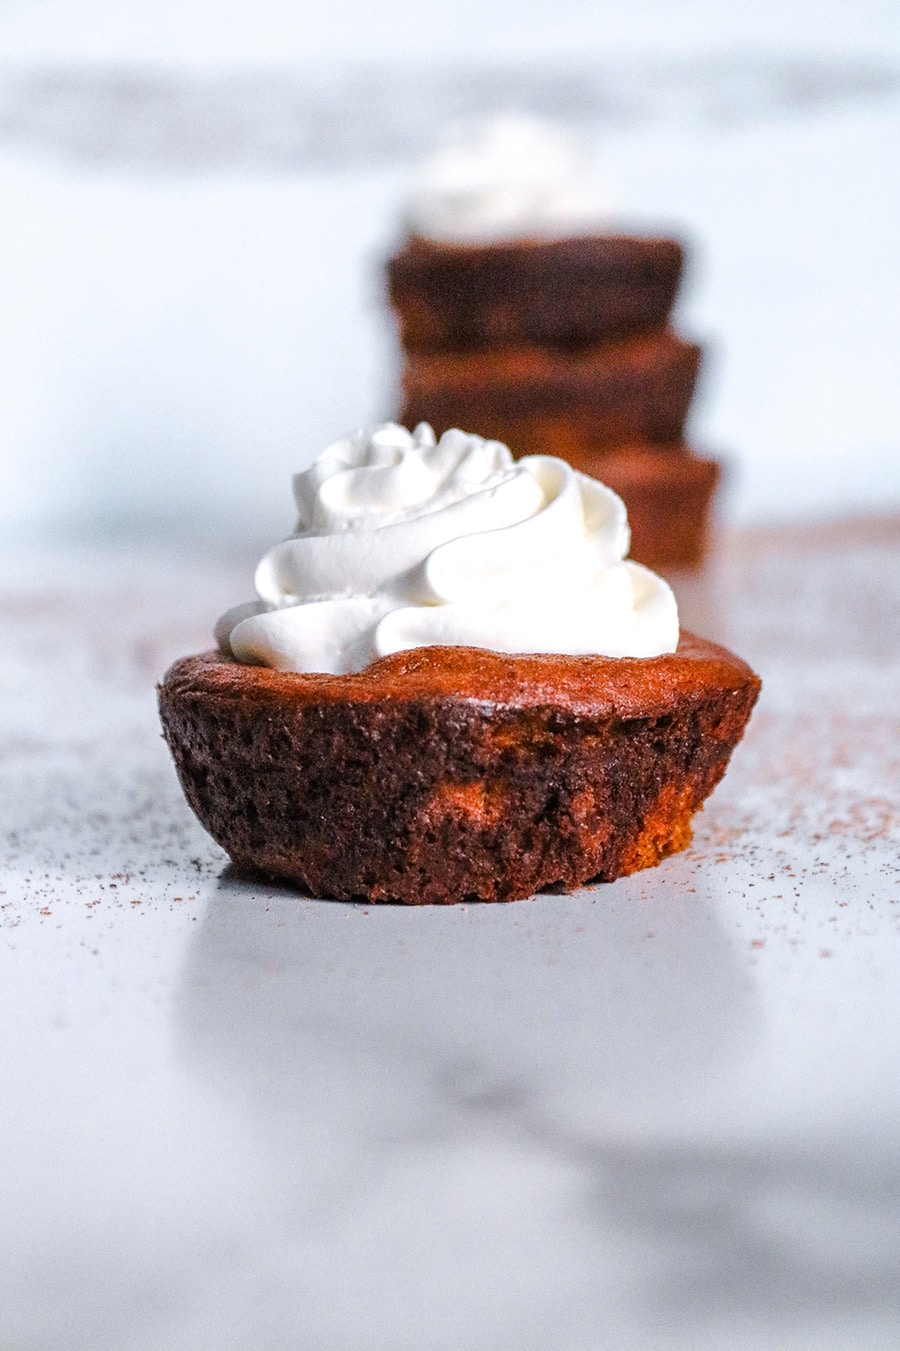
(661, 1113)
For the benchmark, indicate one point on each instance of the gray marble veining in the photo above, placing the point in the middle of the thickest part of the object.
(349, 115)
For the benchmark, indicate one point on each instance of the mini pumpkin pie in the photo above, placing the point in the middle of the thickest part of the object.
(588, 400)
(523, 309)
(452, 296)
(453, 684)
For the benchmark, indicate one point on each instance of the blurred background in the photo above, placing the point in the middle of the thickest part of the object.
(198, 198)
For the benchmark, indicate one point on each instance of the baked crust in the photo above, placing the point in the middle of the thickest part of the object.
(589, 399)
(441, 774)
(582, 290)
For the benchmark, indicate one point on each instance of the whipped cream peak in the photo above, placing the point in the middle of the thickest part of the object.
(405, 541)
(509, 176)
(371, 478)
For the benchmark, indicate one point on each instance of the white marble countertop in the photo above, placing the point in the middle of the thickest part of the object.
(661, 1113)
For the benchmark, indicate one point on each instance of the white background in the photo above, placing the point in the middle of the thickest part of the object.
(178, 334)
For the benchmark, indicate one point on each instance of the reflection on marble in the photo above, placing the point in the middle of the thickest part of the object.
(434, 1119)
(622, 1000)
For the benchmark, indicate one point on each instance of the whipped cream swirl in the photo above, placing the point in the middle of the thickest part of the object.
(407, 542)
(509, 177)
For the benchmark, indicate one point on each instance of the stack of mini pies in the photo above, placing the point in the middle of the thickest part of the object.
(563, 347)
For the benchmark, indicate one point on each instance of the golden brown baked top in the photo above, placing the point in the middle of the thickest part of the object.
(598, 687)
